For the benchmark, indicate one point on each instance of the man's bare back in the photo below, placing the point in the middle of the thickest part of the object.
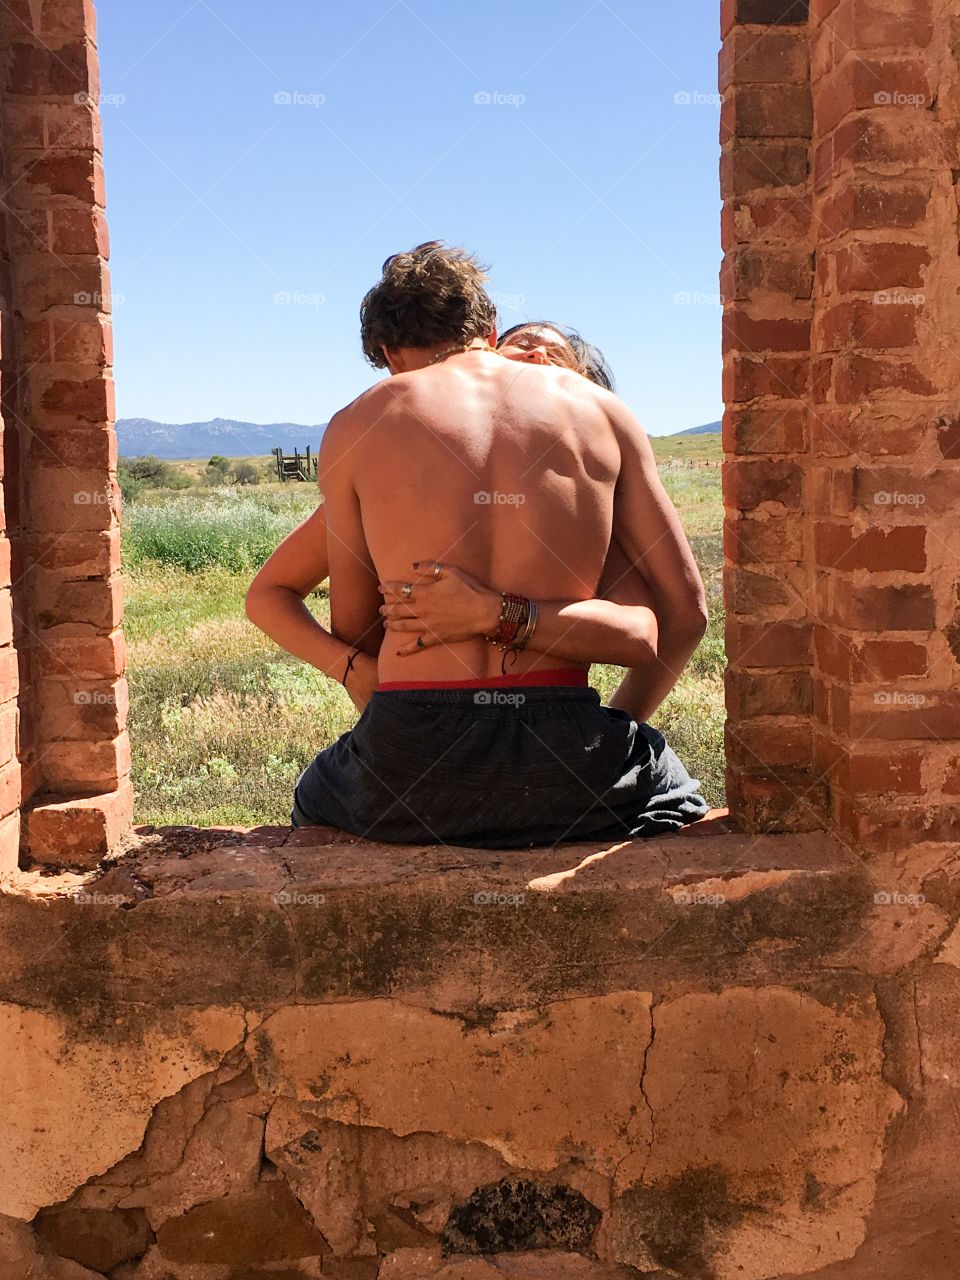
(519, 475)
(507, 470)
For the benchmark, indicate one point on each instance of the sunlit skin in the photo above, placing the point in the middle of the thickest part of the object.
(459, 606)
(447, 610)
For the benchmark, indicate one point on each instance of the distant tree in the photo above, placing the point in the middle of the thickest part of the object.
(246, 473)
(130, 486)
(154, 473)
(148, 470)
(218, 470)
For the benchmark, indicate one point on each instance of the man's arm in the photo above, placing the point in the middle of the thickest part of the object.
(648, 529)
(354, 594)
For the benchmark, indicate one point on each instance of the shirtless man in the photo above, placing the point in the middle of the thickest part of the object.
(521, 475)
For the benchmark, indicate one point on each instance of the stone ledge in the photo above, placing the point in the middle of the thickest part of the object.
(715, 1055)
(318, 917)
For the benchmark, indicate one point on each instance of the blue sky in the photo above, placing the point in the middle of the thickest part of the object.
(260, 168)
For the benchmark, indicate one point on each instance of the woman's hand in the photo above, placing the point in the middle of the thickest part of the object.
(444, 609)
(361, 684)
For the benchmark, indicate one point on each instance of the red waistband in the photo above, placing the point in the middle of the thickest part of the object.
(566, 677)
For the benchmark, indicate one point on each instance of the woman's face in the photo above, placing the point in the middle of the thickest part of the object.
(539, 344)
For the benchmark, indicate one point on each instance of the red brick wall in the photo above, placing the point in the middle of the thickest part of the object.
(10, 551)
(856, 611)
(59, 413)
(767, 284)
(887, 91)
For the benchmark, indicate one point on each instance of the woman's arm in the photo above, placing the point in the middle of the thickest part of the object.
(644, 687)
(596, 631)
(649, 536)
(456, 607)
(275, 604)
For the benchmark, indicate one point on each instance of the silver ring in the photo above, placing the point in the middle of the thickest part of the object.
(420, 644)
(437, 569)
(406, 590)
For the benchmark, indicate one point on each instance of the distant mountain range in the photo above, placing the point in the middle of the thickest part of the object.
(709, 428)
(140, 436)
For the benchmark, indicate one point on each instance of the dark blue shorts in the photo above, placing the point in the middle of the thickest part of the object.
(497, 769)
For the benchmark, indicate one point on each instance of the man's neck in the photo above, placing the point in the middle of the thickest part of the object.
(409, 359)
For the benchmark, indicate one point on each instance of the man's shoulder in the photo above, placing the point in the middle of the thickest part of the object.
(571, 384)
(360, 413)
(593, 405)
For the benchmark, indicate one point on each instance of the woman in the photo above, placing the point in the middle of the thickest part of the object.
(450, 606)
(545, 343)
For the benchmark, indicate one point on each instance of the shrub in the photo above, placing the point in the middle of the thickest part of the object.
(130, 486)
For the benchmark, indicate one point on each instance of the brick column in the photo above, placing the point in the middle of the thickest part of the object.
(767, 287)
(67, 589)
(10, 769)
(885, 437)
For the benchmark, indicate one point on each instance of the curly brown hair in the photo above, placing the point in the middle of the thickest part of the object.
(430, 295)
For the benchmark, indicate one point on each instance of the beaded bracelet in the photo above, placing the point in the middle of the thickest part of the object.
(514, 617)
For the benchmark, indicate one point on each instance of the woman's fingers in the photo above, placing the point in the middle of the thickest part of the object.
(404, 624)
(417, 646)
(399, 609)
(415, 580)
(394, 591)
(428, 568)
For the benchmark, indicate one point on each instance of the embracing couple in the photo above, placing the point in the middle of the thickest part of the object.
(492, 523)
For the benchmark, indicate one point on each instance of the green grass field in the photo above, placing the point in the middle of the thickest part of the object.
(222, 721)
